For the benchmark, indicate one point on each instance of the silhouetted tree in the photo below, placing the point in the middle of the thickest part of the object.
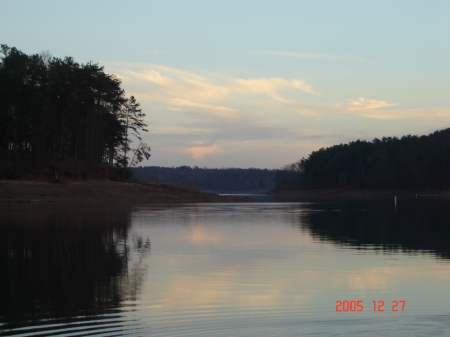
(61, 113)
(132, 119)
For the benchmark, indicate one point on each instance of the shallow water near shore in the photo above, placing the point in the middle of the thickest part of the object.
(234, 269)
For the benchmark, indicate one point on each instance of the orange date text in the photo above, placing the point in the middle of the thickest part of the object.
(376, 306)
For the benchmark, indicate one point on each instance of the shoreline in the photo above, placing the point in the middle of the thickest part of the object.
(26, 191)
(19, 191)
(355, 194)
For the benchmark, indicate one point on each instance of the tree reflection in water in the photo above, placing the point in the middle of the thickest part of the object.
(413, 226)
(67, 260)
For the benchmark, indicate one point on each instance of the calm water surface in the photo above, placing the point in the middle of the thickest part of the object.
(243, 269)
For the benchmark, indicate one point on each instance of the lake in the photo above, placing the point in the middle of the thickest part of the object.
(362, 268)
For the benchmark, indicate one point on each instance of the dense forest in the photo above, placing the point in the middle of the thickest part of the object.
(226, 179)
(57, 113)
(390, 162)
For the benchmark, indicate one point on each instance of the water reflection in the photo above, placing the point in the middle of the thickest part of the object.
(247, 269)
(67, 261)
(413, 226)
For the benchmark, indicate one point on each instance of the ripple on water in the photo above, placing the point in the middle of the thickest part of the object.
(146, 319)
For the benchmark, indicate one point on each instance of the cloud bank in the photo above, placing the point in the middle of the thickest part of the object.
(208, 92)
(206, 117)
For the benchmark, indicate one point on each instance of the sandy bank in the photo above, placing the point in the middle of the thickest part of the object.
(39, 191)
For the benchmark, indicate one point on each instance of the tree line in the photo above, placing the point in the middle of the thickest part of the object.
(225, 179)
(390, 162)
(59, 113)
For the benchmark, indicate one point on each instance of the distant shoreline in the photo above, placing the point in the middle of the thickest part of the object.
(18, 191)
(355, 193)
(104, 190)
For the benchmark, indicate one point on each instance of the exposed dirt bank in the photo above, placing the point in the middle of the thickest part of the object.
(355, 194)
(94, 190)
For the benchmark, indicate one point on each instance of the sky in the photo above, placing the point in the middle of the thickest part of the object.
(255, 83)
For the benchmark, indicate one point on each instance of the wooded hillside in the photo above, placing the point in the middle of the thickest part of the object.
(226, 179)
(390, 162)
(62, 114)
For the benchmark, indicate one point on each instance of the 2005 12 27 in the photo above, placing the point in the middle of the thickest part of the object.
(377, 306)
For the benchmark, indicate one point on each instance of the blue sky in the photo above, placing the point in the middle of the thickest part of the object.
(256, 83)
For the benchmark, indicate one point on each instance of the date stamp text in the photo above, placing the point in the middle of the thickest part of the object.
(376, 306)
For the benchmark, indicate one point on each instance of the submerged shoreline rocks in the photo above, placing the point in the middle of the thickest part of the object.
(104, 190)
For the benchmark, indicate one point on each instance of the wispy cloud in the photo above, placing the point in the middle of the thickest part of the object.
(214, 111)
(311, 56)
(372, 108)
(211, 96)
(202, 106)
(271, 86)
(364, 104)
(180, 130)
(429, 114)
(198, 152)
